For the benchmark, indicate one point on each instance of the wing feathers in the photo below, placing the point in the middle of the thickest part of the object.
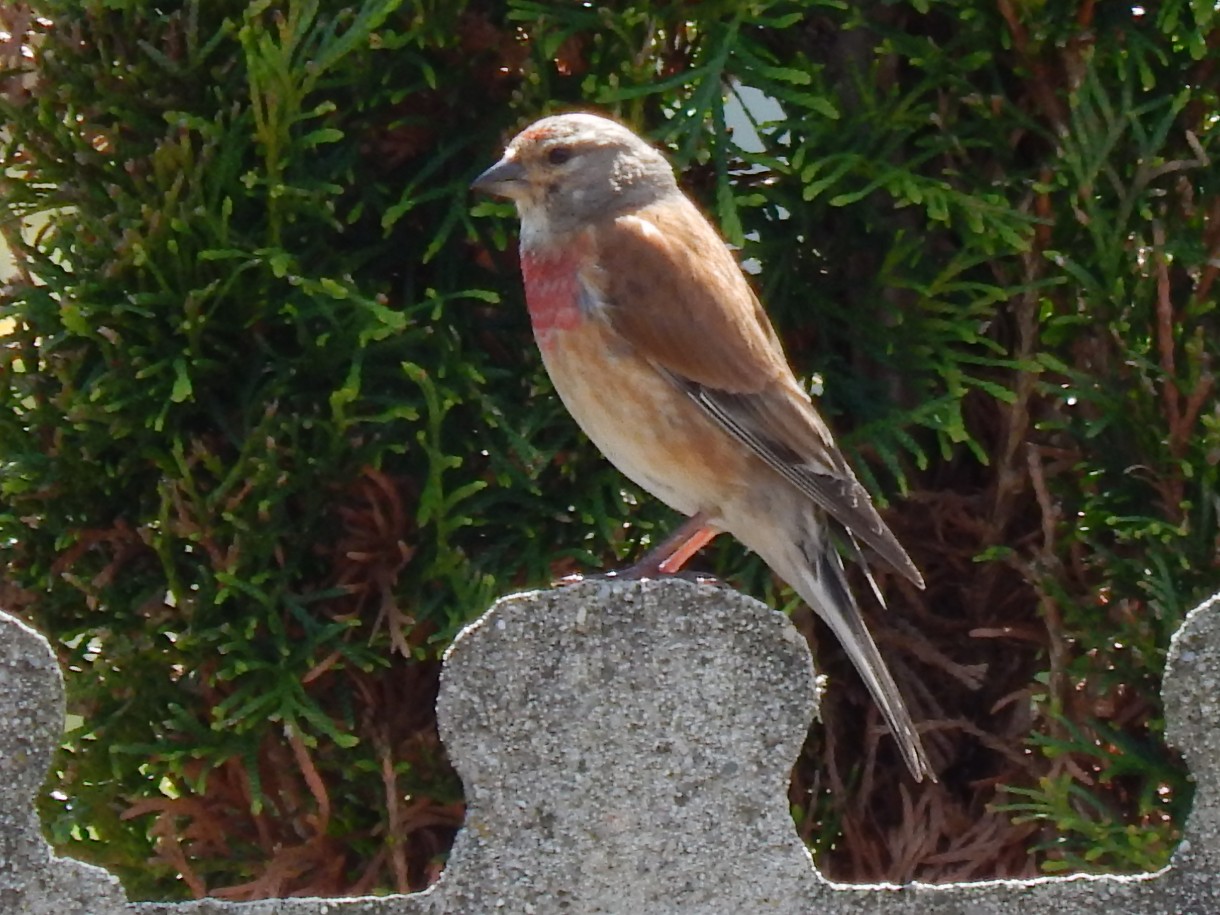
(817, 469)
(676, 294)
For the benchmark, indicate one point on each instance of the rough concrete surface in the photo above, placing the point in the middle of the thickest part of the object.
(32, 880)
(625, 748)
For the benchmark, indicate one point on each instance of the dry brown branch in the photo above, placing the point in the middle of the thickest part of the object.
(1164, 327)
(397, 851)
(317, 786)
(1211, 261)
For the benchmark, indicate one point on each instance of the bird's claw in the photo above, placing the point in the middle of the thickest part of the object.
(633, 574)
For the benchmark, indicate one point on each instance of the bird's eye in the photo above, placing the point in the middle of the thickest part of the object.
(559, 155)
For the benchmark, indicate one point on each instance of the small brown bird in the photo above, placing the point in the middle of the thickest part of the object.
(663, 355)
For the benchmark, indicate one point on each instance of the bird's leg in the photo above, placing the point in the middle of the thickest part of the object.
(672, 553)
(665, 559)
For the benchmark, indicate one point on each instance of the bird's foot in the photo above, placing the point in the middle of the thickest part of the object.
(637, 572)
(665, 560)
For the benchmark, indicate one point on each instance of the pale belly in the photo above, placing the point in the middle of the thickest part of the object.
(651, 432)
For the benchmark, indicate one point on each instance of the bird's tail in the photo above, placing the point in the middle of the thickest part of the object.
(821, 581)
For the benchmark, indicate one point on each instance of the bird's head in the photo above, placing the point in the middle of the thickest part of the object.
(566, 171)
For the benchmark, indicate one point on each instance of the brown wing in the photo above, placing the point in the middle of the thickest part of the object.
(679, 296)
(676, 294)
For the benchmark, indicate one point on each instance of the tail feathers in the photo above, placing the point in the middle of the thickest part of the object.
(858, 555)
(822, 583)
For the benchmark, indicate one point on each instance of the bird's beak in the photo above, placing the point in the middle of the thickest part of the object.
(501, 179)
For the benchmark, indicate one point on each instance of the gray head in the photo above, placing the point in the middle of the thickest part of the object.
(568, 170)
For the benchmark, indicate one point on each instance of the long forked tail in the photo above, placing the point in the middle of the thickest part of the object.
(823, 584)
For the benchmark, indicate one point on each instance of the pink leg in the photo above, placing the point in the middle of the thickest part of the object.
(674, 551)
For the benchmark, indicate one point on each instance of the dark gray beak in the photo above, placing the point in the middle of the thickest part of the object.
(500, 178)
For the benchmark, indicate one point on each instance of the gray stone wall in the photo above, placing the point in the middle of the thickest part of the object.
(625, 748)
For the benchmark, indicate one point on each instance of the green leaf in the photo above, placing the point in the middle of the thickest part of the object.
(182, 382)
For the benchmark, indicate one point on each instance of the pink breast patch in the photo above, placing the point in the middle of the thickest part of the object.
(552, 291)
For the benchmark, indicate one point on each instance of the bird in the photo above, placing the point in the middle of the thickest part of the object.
(659, 349)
